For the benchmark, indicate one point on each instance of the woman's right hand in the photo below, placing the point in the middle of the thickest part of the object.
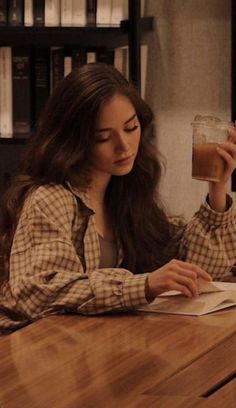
(175, 275)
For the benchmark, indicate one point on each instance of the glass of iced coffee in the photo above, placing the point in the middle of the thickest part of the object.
(208, 133)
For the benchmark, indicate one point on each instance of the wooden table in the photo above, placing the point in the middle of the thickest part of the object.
(121, 360)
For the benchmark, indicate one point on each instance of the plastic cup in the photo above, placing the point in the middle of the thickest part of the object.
(208, 133)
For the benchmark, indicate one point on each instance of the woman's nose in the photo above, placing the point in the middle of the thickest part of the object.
(122, 143)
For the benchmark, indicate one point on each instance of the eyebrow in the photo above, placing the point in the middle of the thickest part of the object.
(125, 123)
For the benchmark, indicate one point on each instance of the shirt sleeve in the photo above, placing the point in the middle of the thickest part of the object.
(209, 240)
(47, 276)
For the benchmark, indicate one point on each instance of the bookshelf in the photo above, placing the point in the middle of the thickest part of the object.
(87, 36)
(128, 33)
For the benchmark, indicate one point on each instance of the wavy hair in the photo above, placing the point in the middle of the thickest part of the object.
(59, 152)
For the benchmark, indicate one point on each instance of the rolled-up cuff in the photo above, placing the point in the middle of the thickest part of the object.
(211, 217)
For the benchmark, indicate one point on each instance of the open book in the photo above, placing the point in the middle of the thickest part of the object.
(213, 296)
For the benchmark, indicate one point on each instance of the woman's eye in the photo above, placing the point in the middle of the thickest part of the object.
(131, 129)
(102, 140)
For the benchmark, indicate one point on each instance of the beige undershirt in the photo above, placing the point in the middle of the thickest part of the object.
(108, 251)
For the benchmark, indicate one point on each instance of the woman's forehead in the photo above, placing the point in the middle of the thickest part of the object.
(118, 107)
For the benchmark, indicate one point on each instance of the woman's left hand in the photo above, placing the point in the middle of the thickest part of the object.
(218, 190)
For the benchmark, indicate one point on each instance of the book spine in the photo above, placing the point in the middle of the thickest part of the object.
(3, 12)
(57, 70)
(41, 81)
(28, 18)
(119, 11)
(91, 57)
(79, 57)
(142, 8)
(79, 16)
(121, 60)
(21, 90)
(15, 12)
(144, 58)
(103, 16)
(52, 13)
(66, 13)
(6, 92)
(67, 64)
(38, 12)
(104, 55)
(118, 59)
(91, 12)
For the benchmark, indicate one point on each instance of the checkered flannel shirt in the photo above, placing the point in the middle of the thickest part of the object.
(54, 261)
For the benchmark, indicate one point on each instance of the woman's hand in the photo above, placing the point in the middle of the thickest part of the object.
(175, 275)
(218, 190)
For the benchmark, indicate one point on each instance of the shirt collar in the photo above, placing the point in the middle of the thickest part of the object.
(83, 195)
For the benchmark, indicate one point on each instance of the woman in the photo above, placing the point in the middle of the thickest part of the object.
(82, 229)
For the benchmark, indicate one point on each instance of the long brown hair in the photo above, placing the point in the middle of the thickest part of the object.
(59, 151)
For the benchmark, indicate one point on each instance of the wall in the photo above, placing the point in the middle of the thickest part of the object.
(188, 73)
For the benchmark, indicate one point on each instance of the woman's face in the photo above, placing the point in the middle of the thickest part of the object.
(118, 134)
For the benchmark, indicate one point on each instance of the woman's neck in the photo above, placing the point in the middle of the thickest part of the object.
(97, 190)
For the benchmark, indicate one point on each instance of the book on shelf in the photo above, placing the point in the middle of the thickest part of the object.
(142, 8)
(103, 14)
(79, 57)
(66, 13)
(121, 60)
(21, 91)
(57, 66)
(119, 11)
(143, 67)
(213, 296)
(41, 80)
(28, 15)
(105, 55)
(79, 10)
(6, 129)
(91, 7)
(91, 57)
(15, 12)
(3, 12)
(52, 13)
(67, 64)
(38, 12)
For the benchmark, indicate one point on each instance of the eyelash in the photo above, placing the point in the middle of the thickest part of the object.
(128, 130)
(131, 129)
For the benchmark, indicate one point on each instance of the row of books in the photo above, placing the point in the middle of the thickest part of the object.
(29, 75)
(63, 12)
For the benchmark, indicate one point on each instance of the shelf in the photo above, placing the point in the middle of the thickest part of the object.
(13, 140)
(88, 36)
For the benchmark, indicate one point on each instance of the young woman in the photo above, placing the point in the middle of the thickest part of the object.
(82, 229)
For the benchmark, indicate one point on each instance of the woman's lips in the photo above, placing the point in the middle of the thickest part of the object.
(125, 160)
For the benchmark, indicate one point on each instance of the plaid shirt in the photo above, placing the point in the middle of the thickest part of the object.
(54, 262)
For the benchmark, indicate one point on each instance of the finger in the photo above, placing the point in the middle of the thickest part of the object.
(196, 269)
(188, 283)
(183, 289)
(181, 277)
(232, 135)
(229, 147)
(230, 160)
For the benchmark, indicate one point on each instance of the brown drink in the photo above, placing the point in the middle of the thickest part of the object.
(207, 163)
